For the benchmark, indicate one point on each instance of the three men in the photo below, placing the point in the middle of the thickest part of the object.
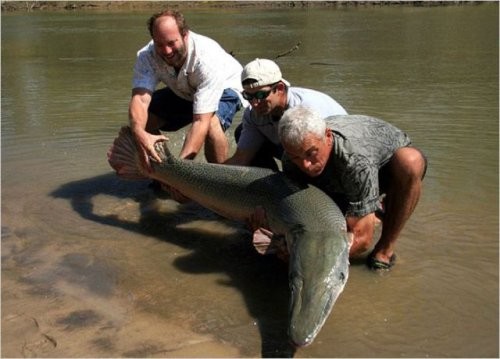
(354, 159)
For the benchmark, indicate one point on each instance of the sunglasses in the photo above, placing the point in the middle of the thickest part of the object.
(259, 95)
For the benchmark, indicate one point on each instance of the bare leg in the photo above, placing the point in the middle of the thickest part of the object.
(216, 143)
(361, 230)
(407, 167)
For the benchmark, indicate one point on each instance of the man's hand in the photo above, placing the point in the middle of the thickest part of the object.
(262, 237)
(145, 143)
(263, 240)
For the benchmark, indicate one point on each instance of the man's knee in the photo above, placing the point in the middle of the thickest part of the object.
(216, 129)
(409, 162)
(216, 142)
(229, 105)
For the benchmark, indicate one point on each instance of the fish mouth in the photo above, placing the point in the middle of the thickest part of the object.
(300, 342)
(305, 325)
(315, 287)
(308, 316)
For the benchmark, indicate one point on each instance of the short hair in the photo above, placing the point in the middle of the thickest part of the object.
(298, 122)
(177, 15)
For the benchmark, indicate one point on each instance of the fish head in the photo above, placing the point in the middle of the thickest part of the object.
(318, 272)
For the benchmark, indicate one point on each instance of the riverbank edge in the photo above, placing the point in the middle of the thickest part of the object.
(28, 6)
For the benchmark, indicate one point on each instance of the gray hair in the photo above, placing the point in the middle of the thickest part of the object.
(298, 122)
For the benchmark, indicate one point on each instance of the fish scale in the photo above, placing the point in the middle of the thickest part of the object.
(253, 187)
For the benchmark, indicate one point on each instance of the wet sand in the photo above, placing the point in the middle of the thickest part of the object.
(52, 285)
(61, 323)
(106, 268)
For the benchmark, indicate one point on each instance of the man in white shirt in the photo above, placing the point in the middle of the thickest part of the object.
(270, 95)
(202, 89)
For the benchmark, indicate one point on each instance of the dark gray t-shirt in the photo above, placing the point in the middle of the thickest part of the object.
(362, 146)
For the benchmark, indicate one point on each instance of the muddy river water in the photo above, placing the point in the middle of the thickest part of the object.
(97, 267)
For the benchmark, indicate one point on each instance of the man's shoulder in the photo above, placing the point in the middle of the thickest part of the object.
(356, 120)
(306, 92)
(146, 68)
(208, 55)
(146, 50)
(368, 133)
(352, 120)
(319, 101)
(199, 38)
(203, 45)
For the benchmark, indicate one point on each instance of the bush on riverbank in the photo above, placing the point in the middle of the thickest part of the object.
(154, 5)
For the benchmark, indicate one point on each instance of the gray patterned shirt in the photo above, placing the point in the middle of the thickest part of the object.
(362, 145)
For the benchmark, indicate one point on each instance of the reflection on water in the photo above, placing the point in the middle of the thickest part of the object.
(71, 230)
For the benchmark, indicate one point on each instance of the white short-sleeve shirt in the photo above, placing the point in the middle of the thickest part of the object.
(208, 70)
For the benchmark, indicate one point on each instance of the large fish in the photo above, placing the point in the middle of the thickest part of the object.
(313, 225)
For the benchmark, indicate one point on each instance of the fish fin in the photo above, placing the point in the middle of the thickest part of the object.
(123, 156)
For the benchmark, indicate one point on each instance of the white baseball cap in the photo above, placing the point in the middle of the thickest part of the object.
(264, 72)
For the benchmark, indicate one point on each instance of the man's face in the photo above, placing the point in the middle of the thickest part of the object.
(312, 155)
(170, 45)
(263, 99)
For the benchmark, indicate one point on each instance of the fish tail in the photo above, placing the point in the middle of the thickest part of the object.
(123, 156)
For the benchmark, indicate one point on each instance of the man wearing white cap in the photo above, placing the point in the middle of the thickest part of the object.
(270, 95)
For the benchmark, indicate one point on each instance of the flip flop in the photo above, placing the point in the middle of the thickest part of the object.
(375, 264)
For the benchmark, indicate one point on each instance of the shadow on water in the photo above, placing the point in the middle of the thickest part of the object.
(262, 280)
